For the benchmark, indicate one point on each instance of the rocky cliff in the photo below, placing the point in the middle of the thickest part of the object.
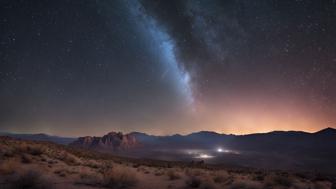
(113, 141)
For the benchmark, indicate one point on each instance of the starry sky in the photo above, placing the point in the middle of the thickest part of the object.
(88, 67)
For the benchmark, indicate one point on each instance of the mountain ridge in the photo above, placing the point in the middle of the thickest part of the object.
(282, 141)
(40, 137)
(192, 137)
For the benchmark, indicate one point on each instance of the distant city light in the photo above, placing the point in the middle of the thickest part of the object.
(204, 156)
(219, 150)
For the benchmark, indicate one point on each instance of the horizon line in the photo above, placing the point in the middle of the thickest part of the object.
(64, 136)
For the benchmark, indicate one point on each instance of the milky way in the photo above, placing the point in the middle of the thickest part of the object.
(165, 47)
(167, 66)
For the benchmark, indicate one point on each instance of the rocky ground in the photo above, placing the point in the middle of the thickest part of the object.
(29, 164)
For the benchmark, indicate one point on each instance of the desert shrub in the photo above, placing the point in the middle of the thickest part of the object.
(7, 152)
(319, 177)
(43, 158)
(67, 158)
(103, 167)
(136, 165)
(21, 148)
(258, 177)
(31, 180)
(141, 169)
(89, 179)
(25, 158)
(119, 179)
(52, 162)
(193, 182)
(323, 185)
(158, 173)
(279, 180)
(197, 182)
(194, 172)
(61, 172)
(302, 175)
(92, 164)
(170, 186)
(245, 184)
(221, 178)
(8, 167)
(35, 150)
(118, 162)
(173, 175)
(207, 184)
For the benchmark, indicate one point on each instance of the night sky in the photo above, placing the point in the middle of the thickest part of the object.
(88, 67)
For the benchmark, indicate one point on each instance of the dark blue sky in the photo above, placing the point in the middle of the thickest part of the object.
(89, 67)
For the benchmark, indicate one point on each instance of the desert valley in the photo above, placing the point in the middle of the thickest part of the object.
(134, 161)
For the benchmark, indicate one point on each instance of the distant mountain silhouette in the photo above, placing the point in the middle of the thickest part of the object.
(326, 132)
(40, 137)
(295, 150)
(287, 141)
(278, 141)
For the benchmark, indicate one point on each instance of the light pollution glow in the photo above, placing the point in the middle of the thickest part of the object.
(236, 117)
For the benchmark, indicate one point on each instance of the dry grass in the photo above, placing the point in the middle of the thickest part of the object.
(173, 174)
(115, 178)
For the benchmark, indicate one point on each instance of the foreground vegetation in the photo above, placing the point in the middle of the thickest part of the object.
(41, 165)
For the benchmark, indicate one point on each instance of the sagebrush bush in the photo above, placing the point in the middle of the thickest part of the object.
(193, 182)
(173, 175)
(25, 159)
